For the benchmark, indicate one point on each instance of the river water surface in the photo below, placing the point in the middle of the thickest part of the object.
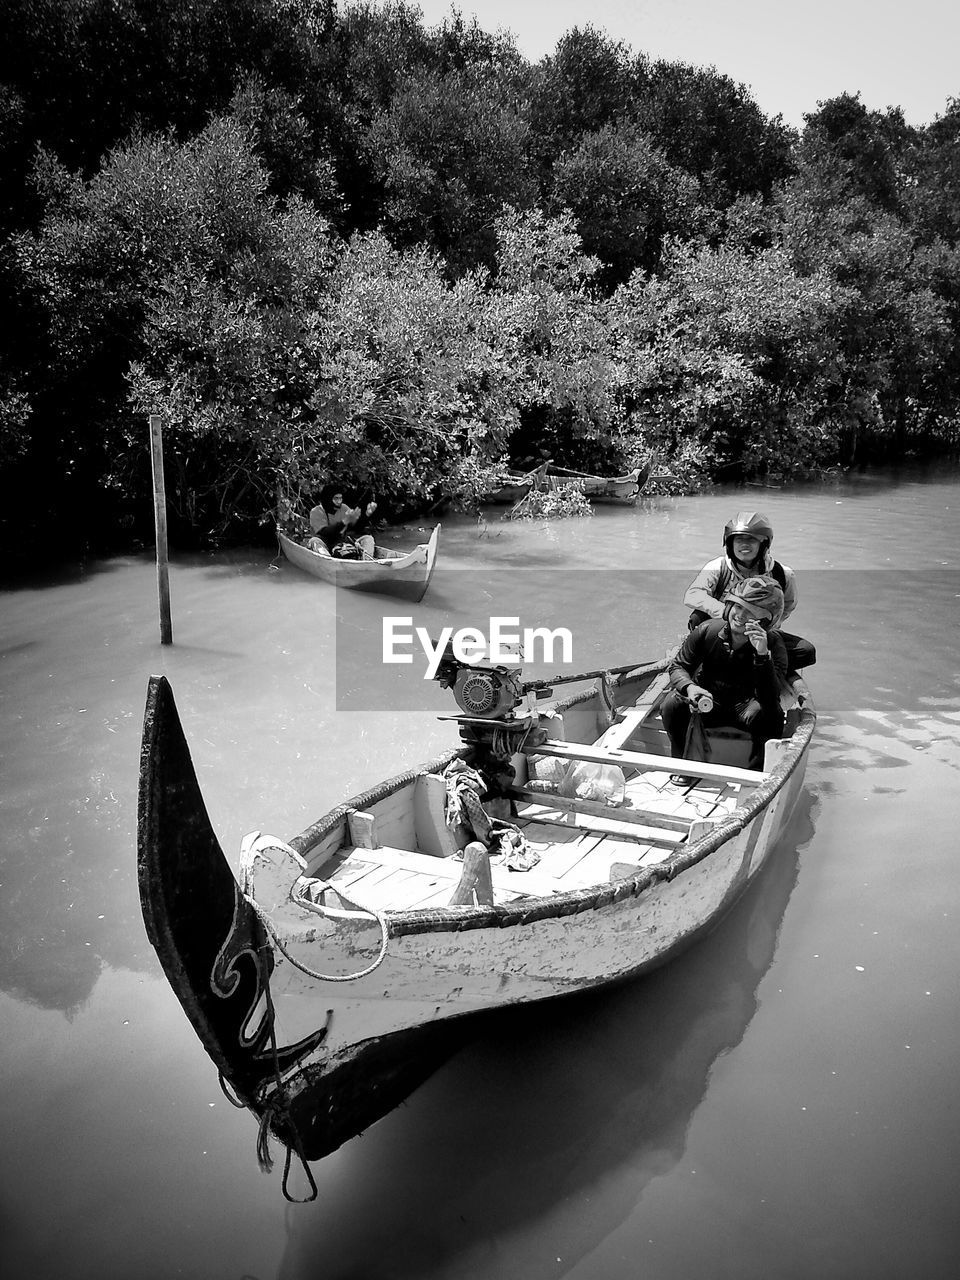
(780, 1103)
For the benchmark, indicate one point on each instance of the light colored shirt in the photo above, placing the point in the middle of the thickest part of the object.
(719, 576)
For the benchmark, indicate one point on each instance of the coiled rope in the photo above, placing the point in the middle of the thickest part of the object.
(277, 1107)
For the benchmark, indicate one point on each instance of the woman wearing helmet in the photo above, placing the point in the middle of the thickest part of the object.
(730, 669)
(746, 542)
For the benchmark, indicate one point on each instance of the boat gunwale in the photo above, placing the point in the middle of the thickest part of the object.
(408, 922)
(392, 563)
(628, 477)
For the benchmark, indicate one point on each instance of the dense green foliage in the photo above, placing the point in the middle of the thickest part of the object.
(324, 240)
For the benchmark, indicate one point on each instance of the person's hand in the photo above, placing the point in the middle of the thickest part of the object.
(749, 710)
(757, 637)
(695, 693)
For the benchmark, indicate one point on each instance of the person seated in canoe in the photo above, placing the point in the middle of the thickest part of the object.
(729, 670)
(331, 510)
(359, 527)
(351, 537)
(747, 539)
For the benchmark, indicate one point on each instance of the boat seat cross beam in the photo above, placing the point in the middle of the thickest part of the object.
(641, 760)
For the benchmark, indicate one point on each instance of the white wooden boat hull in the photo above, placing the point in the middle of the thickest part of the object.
(430, 977)
(271, 983)
(403, 574)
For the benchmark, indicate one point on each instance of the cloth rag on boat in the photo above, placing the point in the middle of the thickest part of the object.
(504, 839)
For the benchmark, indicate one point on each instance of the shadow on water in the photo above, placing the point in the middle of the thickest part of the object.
(29, 576)
(15, 650)
(550, 1102)
(876, 479)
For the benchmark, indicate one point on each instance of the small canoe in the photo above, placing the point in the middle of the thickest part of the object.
(516, 484)
(512, 487)
(622, 490)
(331, 979)
(395, 573)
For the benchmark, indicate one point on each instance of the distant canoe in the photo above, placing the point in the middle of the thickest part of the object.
(394, 573)
(510, 491)
(615, 489)
(513, 486)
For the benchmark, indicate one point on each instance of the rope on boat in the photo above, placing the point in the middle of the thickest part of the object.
(312, 973)
(279, 1104)
(254, 844)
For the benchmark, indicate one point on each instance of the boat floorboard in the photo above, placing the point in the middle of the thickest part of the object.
(576, 850)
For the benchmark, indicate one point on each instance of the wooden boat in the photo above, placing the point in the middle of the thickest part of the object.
(612, 489)
(326, 983)
(548, 476)
(396, 573)
(513, 486)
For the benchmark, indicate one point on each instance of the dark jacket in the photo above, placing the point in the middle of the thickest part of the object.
(707, 657)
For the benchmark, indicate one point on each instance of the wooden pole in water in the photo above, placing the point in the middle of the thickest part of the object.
(160, 524)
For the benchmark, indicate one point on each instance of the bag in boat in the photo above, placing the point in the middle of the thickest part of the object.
(587, 781)
(577, 779)
(720, 744)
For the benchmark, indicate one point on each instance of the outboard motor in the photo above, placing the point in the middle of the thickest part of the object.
(483, 691)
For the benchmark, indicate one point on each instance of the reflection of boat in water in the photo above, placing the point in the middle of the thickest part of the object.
(592, 1098)
(322, 1015)
(394, 573)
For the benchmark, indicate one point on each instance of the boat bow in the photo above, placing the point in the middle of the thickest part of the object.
(207, 936)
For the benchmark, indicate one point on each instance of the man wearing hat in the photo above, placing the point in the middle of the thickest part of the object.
(730, 670)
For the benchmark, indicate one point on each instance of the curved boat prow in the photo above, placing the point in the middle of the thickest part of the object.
(215, 954)
(205, 933)
(432, 547)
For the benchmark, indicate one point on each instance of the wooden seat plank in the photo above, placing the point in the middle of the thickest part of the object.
(538, 833)
(628, 814)
(692, 768)
(606, 825)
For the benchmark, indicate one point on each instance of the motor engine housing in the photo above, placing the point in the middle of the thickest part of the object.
(482, 690)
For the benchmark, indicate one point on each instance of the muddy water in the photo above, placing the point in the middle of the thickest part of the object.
(780, 1102)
